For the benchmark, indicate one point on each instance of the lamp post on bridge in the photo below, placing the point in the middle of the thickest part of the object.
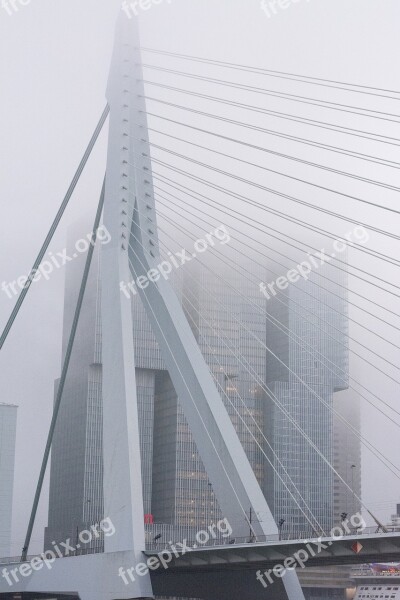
(352, 488)
(281, 524)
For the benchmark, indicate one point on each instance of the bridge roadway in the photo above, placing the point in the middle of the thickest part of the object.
(203, 568)
(223, 572)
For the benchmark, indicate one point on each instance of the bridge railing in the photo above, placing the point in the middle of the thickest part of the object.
(160, 545)
(81, 552)
(302, 536)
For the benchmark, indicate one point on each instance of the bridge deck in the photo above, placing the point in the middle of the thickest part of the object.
(323, 552)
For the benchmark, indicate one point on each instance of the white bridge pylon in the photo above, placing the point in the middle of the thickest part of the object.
(130, 217)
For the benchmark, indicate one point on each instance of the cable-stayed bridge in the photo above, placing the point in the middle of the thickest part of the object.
(128, 206)
(219, 571)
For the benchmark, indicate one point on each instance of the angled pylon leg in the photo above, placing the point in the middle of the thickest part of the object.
(234, 482)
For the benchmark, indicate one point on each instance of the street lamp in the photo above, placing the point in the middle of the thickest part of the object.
(343, 516)
(281, 524)
(352, 487)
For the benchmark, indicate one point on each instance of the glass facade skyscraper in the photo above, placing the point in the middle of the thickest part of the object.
(76, 476)
(176, 489)
(347, 455)
(8, 426)
(309, 366)
(182, 493)
(245, 353)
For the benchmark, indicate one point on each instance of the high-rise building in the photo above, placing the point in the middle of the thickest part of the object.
(176, 489)
(215, 307)
(347, 455)
(308, 366)
(76, 473)
(76, 485)
(8, 427)
(226, 315)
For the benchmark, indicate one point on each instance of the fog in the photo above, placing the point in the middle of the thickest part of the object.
(54, 69)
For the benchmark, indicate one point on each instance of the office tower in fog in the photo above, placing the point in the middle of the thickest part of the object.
(214, 303)
(76, 477)
(176, 489)
(227, 315)
(347, 455)
(311, 366)
(8, 427)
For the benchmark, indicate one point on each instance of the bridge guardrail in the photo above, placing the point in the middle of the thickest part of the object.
(81, 552)
(159, 546)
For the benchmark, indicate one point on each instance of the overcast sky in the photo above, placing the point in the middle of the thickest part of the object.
(54, 68)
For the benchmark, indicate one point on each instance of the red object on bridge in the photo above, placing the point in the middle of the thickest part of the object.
(357, 547)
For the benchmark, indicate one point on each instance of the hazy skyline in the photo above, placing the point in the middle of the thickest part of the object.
(54, 71)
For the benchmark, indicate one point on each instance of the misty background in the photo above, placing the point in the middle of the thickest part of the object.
(53, 72)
